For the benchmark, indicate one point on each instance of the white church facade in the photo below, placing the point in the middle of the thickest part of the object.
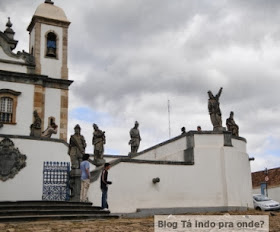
(33, 81)
(197, 170)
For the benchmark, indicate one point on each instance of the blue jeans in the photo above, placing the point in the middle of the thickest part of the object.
(104, 203)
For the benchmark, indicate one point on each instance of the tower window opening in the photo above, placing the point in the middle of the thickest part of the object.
(51, 45)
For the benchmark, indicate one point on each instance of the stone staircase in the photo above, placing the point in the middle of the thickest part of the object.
(12, 211)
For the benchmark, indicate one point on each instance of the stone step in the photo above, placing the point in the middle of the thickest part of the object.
(40, 205)
(12, 211)
(50, 207)
(25, 212)
(61, 203)
(56, 217)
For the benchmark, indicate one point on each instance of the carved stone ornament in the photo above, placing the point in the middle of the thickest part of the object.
(11, 160)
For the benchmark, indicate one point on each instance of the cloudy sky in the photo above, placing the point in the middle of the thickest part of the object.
(129, 57)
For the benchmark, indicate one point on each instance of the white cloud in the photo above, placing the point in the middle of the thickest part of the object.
(128, 58)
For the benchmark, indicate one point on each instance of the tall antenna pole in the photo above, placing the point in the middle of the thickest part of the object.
(168, 107)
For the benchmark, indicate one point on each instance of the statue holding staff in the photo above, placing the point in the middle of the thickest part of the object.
(98, 141)
(77, 146)
(135, 138)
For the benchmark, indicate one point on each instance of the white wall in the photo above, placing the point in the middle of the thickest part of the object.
(24, 111)
(24, 114)
(221, 176)
(28, 183)
(233, 163)
(109, 159)
(132, 188)
(51, 66)
(173, 151)
(52, 108)
(238, 177)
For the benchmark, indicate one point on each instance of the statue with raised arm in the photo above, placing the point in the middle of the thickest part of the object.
(77, 146)
(134, 138)
(231, 125)
(214, 110)
(98, 141)
(35, 127)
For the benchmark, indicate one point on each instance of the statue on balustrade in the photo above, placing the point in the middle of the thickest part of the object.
(77, 146)
(215, 111)
(35, 128)
(98, 141)
(135, 138)
(231, 125)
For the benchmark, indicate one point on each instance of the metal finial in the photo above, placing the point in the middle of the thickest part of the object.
(9, 31)
(9, 24)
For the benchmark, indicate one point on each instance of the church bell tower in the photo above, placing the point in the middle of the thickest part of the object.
(48, 43)
(49, 40)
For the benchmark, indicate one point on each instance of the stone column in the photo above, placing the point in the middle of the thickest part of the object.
(39, 102)
(63, 115)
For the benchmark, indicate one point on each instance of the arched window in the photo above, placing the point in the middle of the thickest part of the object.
(51, 45)
(8, 104)
(6, 110)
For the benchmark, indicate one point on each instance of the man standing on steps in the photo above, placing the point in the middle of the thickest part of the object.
(85, 178)
(104, 186)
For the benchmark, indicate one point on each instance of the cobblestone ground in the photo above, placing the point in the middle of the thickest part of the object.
(113, 225)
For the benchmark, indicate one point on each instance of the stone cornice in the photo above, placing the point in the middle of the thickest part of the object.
(54, 22)
(189, 134)
(23, 57)
(165, 162)
(11, 42)
(33, 138)
(113, 156)
(9, 91)
(35, 79)
(215, 133)
(17, 63)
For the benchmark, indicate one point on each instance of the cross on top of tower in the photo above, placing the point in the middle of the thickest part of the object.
(49, 2)
(9, 24)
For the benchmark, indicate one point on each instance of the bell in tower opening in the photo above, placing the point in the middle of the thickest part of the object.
(51, 45)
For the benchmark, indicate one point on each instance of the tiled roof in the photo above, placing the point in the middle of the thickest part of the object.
(273, 175)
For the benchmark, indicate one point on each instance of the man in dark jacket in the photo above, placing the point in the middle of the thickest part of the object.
(104, 186)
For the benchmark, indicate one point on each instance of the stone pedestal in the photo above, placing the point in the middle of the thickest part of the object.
(131, 154)
(99, 162)
(219, 128)
(36, 132)
(75, 184)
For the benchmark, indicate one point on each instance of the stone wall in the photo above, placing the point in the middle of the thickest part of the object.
(28, 183)
(219, 176)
